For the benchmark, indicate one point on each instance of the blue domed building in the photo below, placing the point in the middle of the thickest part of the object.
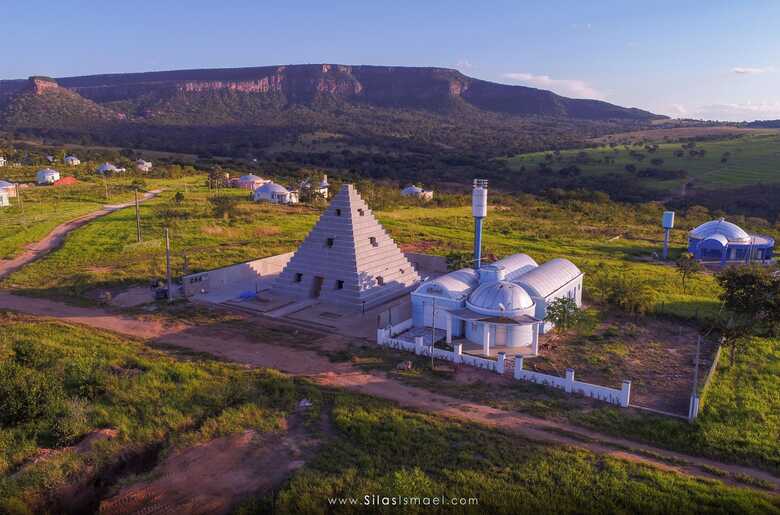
(725, 242)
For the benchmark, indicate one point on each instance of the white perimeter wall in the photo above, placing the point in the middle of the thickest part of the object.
(239, 278)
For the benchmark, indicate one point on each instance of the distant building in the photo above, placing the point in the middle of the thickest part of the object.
(2, 161)
(143, 166)
(321, 190)
(725, 242)
(4, 201)
(8, 189)
(276, 193)
(250, 182)
(416, 191)
(47, 176)
(72, 161)
(108, 168)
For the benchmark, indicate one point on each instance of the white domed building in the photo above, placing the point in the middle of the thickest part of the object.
(8, 189)
(503, 305)
(109, 168)
(416, 191)
(276, 193)
(47, 176)
(250, 182)
(725, 242)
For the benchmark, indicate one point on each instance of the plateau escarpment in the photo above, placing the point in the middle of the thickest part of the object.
(432, 106)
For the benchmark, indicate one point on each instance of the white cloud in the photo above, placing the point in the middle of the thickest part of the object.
(734, 112)
(568, 87)
(745, 70)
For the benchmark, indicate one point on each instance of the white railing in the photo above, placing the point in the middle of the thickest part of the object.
(620, 397)
(568, 384)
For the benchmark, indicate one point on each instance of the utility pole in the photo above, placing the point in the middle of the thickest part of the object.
(433, 332)
(19, 198)
(105, 184)
(168, 265)
(137, 218)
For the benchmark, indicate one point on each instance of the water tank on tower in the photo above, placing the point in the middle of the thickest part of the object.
(668, 224)
(479, 211)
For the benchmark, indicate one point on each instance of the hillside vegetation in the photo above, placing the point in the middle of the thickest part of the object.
(61, 383)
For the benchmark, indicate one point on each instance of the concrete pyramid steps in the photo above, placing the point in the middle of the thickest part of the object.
(347, 259)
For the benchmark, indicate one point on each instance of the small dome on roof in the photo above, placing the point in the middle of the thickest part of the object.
(412, 189)
(500, 298)
(250, 177)
(731, 232)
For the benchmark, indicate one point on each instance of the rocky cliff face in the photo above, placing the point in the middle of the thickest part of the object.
(282, 86)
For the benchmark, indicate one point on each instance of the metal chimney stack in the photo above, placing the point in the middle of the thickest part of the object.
(668, 224)
(479, 211)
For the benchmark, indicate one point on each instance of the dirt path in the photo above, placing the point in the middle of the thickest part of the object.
(228, 345)
(54, 239)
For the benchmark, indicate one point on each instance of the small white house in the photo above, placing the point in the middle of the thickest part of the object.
(8, 189)
(2, 161)
(319, 190)
(71, 161)
(276, 193)
(47, 176)
(4, 201)
(250, 182)
(108, 168)
(143, 166)
(416, 191)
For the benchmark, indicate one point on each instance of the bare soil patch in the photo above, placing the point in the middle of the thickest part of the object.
(213, 477)
(656, 356)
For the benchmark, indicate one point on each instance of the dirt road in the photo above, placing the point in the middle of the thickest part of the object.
(233, 346)
(54, 239)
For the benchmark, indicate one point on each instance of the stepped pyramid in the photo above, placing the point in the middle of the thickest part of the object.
(347, 259)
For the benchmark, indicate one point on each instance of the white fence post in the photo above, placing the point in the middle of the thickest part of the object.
(625, 394)
(569, 380)
(458, 353)
(518, 365)
(418, 345)
(501, 362)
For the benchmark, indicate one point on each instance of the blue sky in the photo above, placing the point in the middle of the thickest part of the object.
(708, 59)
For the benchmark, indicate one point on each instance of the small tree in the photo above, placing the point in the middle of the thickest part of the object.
(458, 259)
(735, 336)
(687, 266)
(179, 197)
(632, 295)
(564, 314)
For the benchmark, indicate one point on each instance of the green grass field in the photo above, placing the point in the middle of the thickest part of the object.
(753, 159)
(44, 208)
(61, 382)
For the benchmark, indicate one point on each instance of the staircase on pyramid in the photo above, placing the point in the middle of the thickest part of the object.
(347, 259)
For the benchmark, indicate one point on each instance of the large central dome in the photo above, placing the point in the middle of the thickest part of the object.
(731, 232)
(500, 298)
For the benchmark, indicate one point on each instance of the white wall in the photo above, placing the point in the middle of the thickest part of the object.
(243, 275)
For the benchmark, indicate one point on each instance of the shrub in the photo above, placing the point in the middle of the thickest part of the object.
(26, 394)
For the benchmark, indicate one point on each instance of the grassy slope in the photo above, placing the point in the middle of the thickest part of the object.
(45, 208)
(754, 159)
(106, 252)
(375, 448)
